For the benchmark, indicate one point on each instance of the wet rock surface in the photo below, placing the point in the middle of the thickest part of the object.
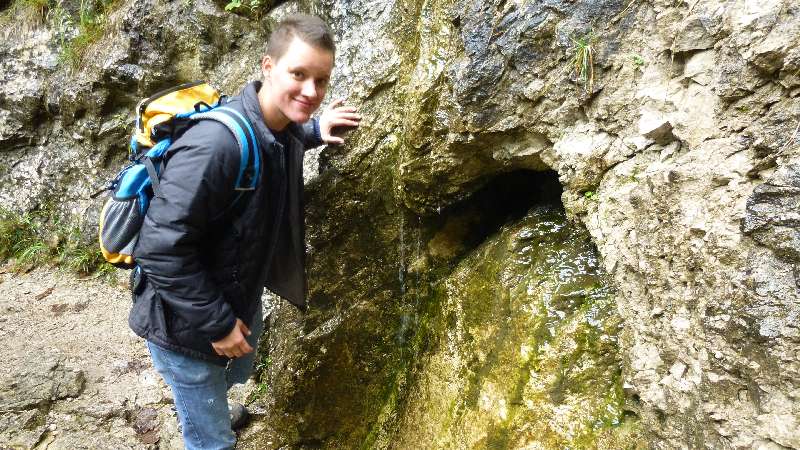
(659, 158)
(679, 157)
(524, 350)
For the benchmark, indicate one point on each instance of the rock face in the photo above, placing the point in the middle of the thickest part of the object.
(523, 348)
(680, 158)
(65, 122)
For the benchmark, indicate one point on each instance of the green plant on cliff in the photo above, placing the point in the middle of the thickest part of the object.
(233, 5)
(79, 256)
(638, 61)
(40, 6)
(60, 22)
(253, 8)
(25, 14)
(583, 50)
(19, 238)
(92, 21)
(26, 242)
(262, 366)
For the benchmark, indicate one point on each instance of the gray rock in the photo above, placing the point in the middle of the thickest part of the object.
(773, 213)
(26, 398)
(23, 429)
(44, 381)
(693, 34)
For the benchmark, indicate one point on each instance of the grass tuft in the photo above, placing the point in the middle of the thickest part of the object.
(18, 236)
(583, 60)
(23, 242)
(23, 15)
(92, 20)
(39, 6)
(74, 32)
(81, 257)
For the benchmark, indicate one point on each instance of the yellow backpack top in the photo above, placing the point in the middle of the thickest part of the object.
(174, 102)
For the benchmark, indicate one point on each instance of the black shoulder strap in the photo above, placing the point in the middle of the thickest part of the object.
(153, 174)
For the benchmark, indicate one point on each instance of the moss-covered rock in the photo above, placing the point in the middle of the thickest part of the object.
(391, 324)
(522, 349)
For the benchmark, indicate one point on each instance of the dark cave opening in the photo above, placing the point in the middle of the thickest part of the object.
(506, 198)
(511, 195)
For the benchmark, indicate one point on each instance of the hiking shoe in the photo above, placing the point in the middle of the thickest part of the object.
(239, 415)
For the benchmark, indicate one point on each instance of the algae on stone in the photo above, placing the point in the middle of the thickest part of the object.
(524, 351)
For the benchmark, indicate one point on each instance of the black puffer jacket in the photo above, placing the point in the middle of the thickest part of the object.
(201, 273)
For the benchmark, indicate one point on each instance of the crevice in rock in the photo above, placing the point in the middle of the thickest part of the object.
(505, 198)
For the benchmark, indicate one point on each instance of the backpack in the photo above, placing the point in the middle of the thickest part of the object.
(160, 120)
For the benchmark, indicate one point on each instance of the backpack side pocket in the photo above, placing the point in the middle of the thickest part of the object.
(120, 223)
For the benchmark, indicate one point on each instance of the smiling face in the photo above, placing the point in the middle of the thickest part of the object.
(295, 84)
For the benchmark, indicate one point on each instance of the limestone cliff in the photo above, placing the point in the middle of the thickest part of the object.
(672, 129)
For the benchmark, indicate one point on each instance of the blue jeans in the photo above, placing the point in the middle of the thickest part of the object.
(200, 389)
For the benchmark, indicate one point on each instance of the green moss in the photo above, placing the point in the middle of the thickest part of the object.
(527, 351)
(421, 334)
(254, 9)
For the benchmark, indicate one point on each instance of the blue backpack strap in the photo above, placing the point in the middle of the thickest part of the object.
(250, 161)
